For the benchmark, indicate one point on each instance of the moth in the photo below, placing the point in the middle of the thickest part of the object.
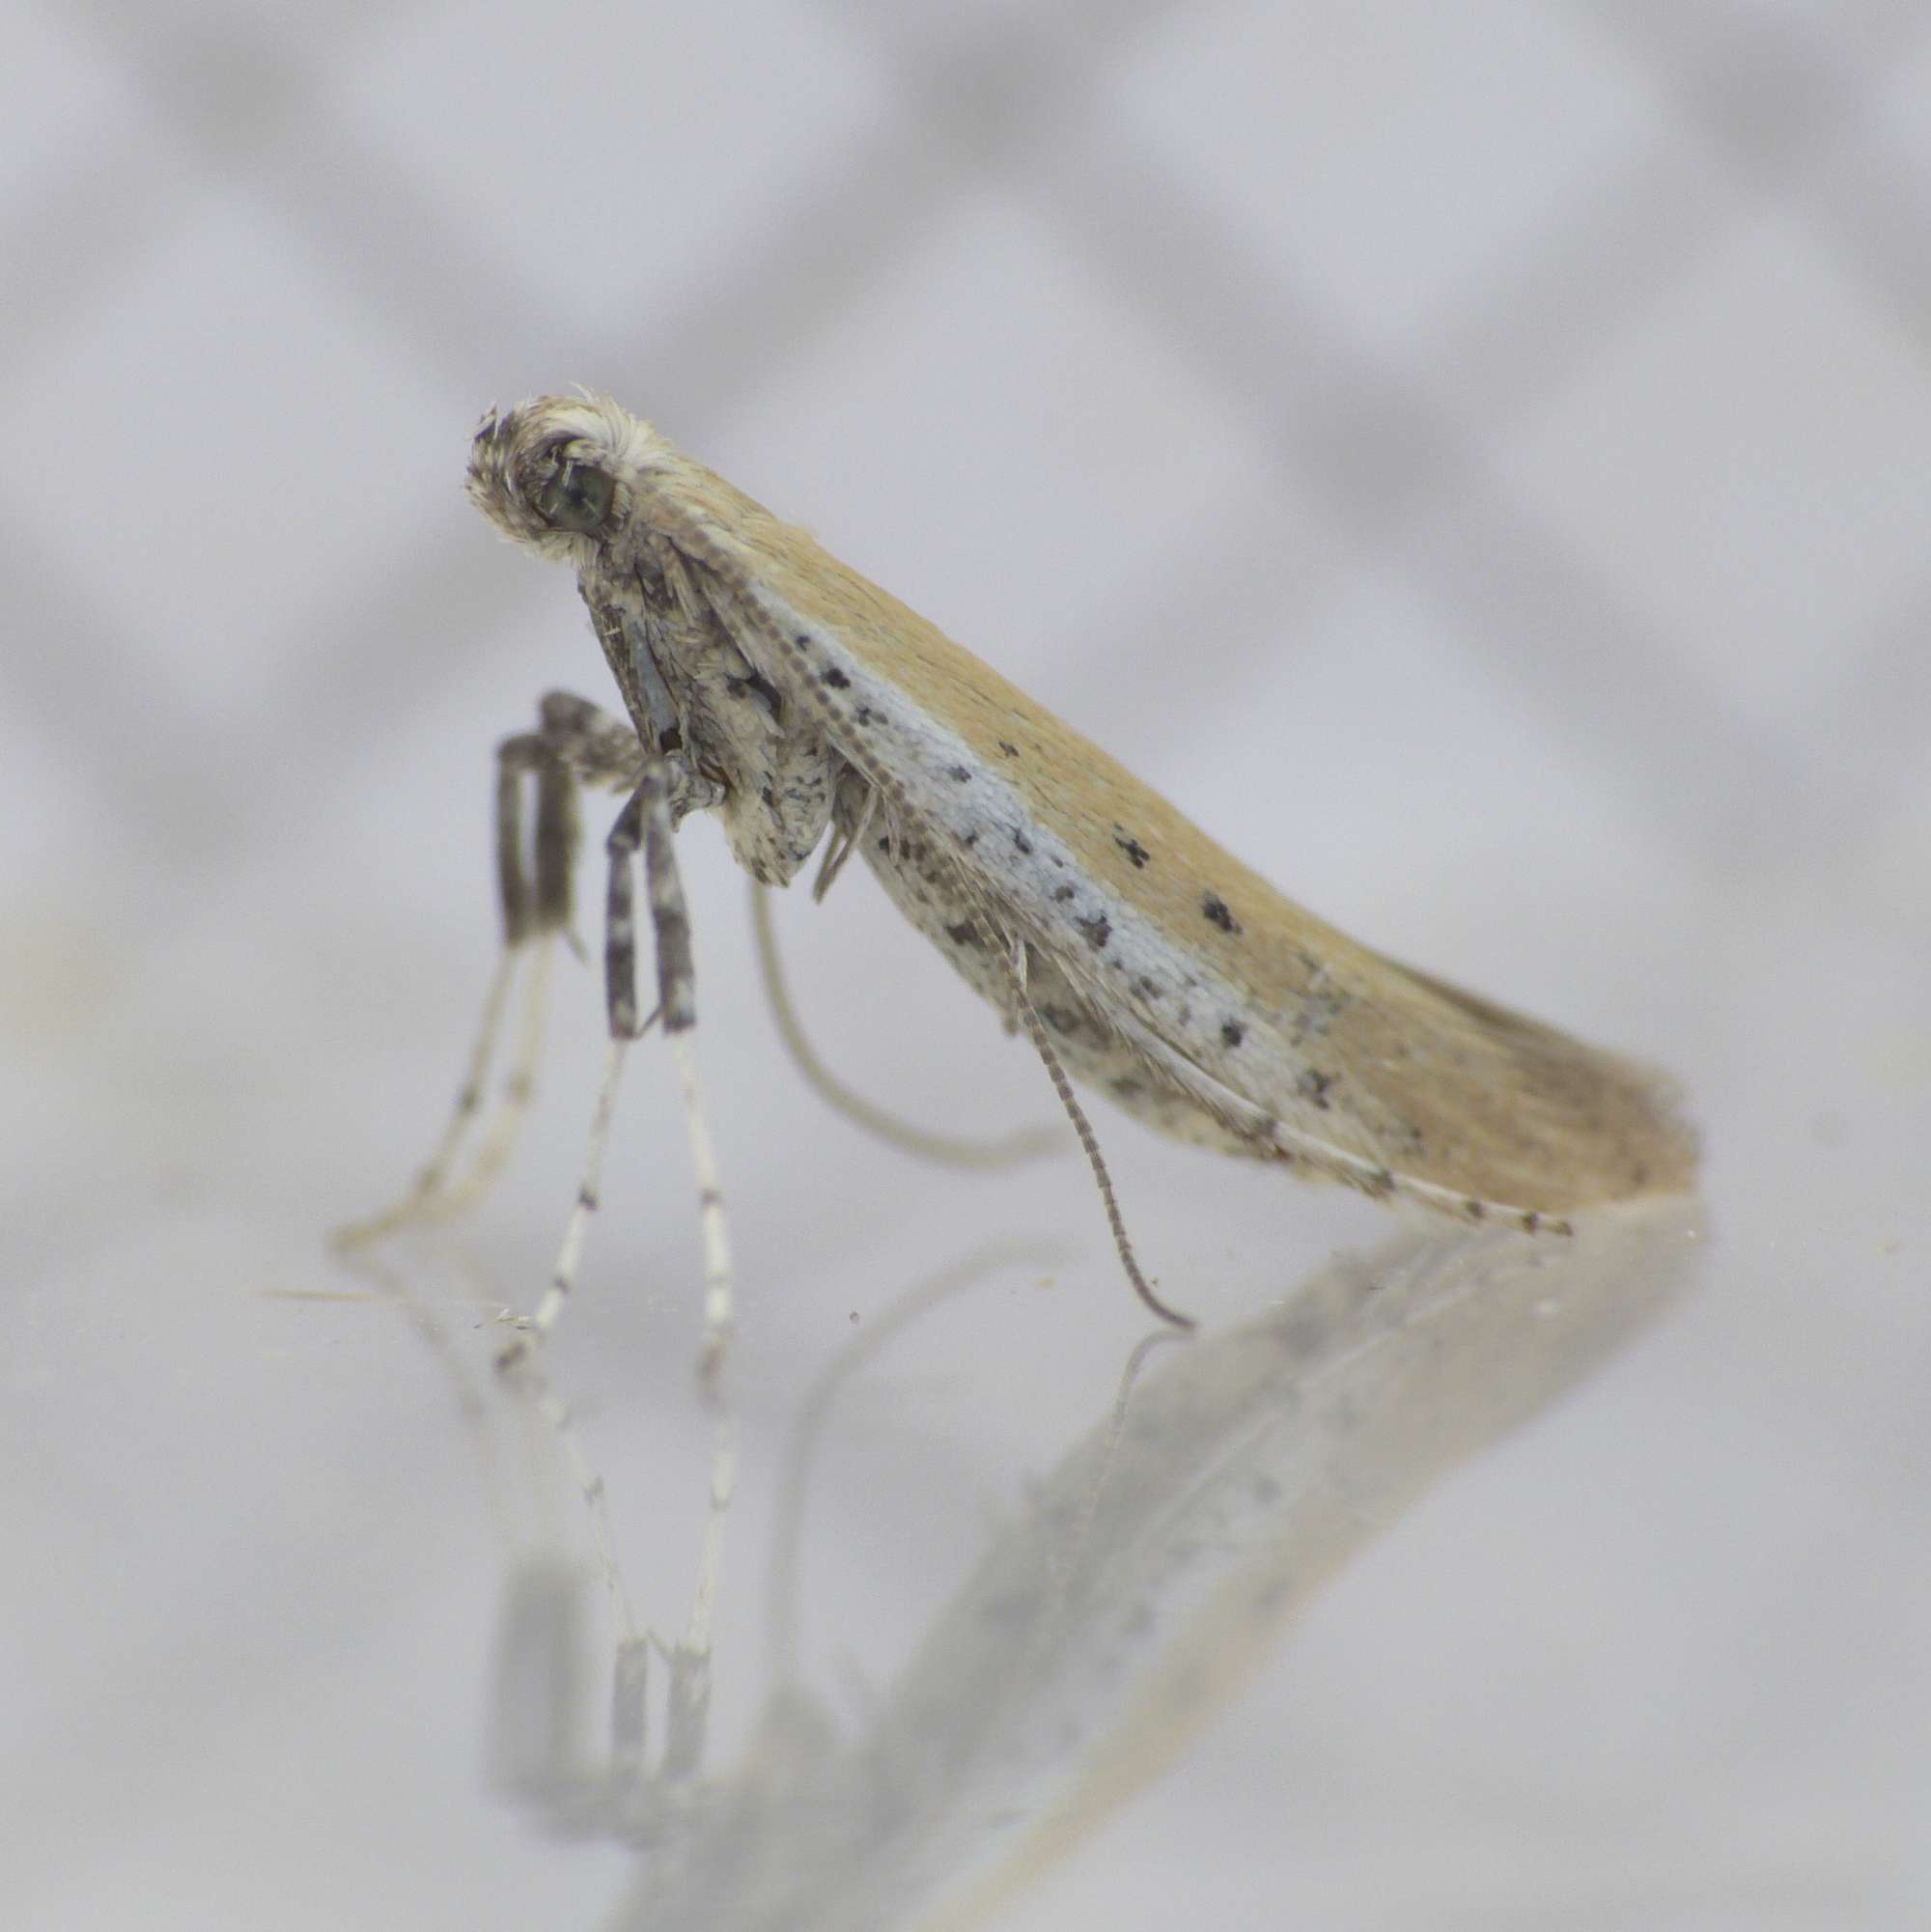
(765, 681)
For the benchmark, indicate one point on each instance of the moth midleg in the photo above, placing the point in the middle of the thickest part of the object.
(670, 925)
(645, 825)
(620, 995)
(588, 1198)
(646, 821)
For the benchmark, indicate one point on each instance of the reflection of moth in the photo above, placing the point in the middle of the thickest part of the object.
(1146, 1574)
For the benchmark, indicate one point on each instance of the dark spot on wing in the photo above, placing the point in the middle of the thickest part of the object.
(1131, 846)
(962, 774)
(1232, 1032)
(1218, 913)
(754, 686)
(1020, 842)
(1099, 928)
(1011, 749)
(837, 680)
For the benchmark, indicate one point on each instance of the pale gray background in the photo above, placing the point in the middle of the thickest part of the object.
(1475, 459)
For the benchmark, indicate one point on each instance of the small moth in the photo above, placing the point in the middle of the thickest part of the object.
(768, 681)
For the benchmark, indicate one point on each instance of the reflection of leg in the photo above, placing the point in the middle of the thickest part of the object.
(541, 1749)
(687, 1704)
(783, 1610)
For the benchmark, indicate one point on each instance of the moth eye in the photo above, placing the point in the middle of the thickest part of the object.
(577, 497)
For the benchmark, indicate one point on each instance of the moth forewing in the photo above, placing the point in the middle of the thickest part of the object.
(1172, 976)
(1298, 1041)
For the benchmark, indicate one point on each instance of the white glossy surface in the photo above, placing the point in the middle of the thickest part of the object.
(1475, 466)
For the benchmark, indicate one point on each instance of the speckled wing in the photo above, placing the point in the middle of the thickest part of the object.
(1296, 1039)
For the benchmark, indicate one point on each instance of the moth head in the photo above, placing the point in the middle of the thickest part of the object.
(551, 473)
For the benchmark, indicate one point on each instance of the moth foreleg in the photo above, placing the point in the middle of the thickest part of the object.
(534, 874)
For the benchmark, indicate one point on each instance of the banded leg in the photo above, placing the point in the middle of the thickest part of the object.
(645, 822)
(539, 1751)
(670, 924)
(534, 895)
(620, 994)
(574, 744)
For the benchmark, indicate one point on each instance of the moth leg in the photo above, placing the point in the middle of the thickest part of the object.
(944, 1150)
(573, 743)
(620, 992)
(600, 749)
(533, 889)
(1089, 1142)
(645, 823)
(670, 924)
(536, 897)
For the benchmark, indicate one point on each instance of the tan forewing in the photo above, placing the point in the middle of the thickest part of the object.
(1443, 1087)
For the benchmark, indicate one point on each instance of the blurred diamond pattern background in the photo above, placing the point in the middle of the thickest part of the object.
(1475, 460)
